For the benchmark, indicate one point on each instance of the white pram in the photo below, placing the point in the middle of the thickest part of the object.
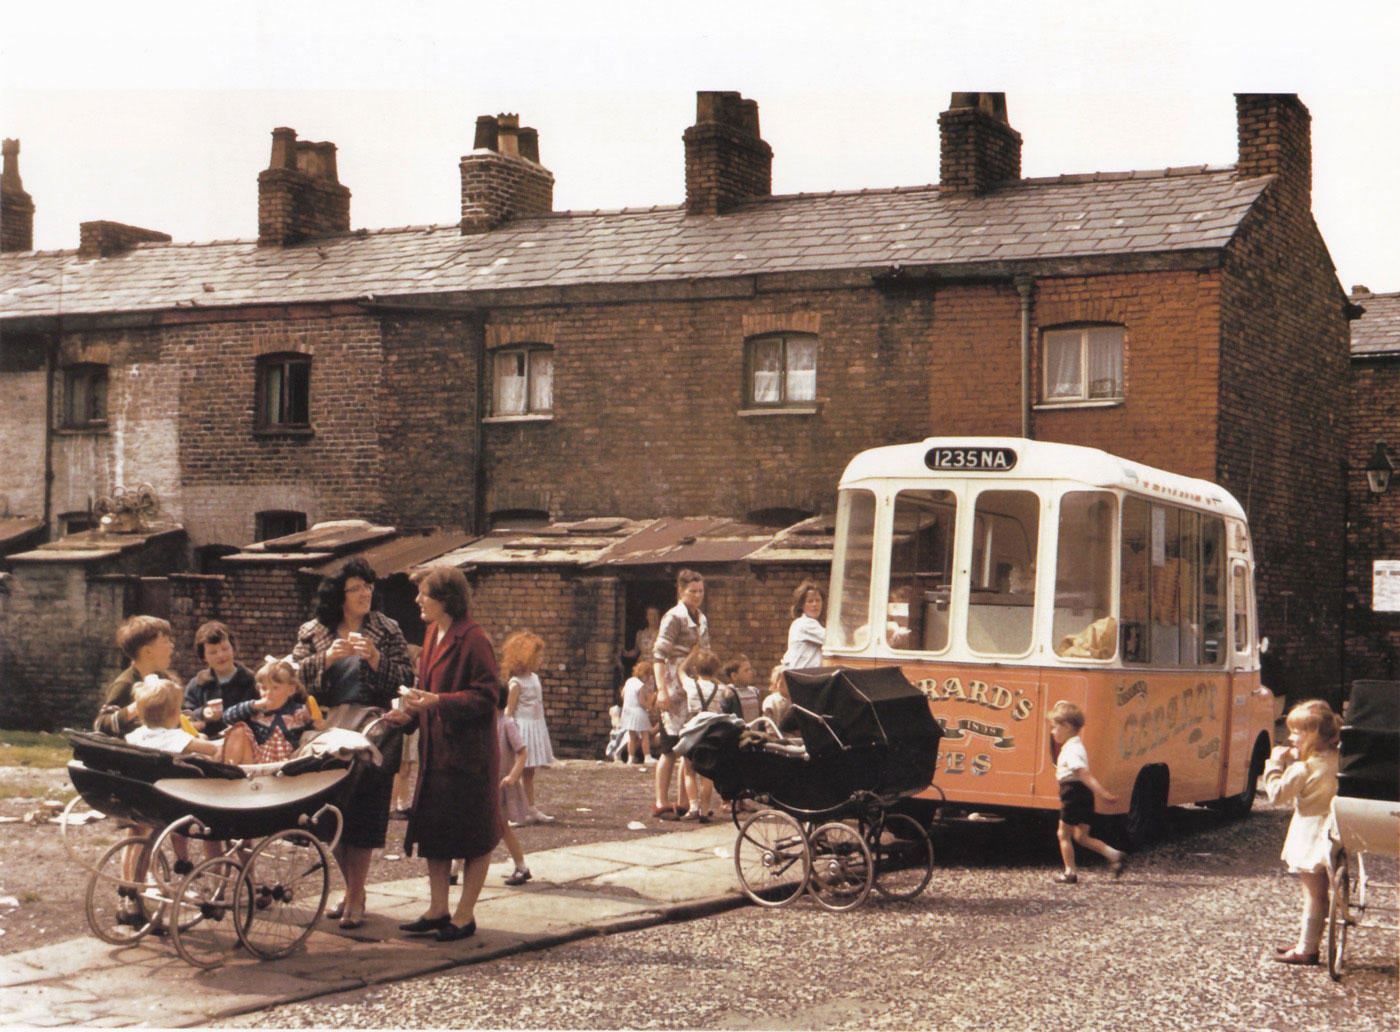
(1365, 816)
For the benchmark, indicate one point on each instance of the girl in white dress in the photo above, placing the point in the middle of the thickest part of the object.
(520, 662)
(636, 697)
(1304, 772)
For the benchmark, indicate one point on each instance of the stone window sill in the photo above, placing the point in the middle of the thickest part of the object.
(92, 430)
(283, 431)
(779, 410)
(1051, 406)
(529, 417)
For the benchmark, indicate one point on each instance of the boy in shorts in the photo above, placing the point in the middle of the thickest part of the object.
(1078, 789)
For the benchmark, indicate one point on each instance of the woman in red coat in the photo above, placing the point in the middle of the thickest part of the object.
(456, 806)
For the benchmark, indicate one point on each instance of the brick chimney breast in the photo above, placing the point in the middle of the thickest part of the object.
(104, 239)
(979, 151)
(726, 160)
(502, 177)
(1275, 138)
(16, 206)
(299, 193)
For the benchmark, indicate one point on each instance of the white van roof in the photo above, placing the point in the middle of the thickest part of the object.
(1018, 458)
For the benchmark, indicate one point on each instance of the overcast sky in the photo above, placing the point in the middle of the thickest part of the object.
(150, 113)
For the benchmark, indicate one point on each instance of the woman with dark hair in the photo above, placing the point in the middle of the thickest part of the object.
(806, 635)
(352, 655)
(456, 806)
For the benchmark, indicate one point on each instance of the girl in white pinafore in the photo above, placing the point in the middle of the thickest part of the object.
(1304, 773)
(521, 657)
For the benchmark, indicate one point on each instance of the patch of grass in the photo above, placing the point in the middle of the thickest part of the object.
(29, 897)
(33, 749)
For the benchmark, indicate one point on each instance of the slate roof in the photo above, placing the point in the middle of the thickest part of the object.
(1377, 332)
(1069, 216)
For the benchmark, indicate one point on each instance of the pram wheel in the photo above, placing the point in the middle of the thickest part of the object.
(842, 868)
(203, 929)
(84, 831)
(903, 855)
(1338, 917)
(281, 893)
(119, 911)
(771, 858)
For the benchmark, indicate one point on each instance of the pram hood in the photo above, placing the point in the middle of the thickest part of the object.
(841, 708)
(1369, 752)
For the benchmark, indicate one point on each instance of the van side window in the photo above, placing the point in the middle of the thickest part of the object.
(1001, 602)
(921, 570)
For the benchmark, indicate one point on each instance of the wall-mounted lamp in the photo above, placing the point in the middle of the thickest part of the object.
(1379, 470)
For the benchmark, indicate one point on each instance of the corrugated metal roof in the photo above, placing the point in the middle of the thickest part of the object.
(17, 530)
(338, 536)
(686, 541)
(1064, 217)
(1377, 332)
(399, 555)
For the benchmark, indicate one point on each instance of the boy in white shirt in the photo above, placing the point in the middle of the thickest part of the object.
(157, 702)
(1078, 789)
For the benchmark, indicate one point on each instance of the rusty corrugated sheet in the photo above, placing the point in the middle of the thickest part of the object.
(686, 540)
(400, 554)
(18, 530)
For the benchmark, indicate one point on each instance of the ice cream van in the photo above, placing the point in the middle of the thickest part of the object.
(1003, 575)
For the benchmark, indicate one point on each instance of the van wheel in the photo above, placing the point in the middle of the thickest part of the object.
(1239, 805)
(1147, 811)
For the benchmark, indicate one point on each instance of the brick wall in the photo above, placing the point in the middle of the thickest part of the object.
(58, 651)
(978, 149)
(1373, 531)
(263, 605)
(428, 430)
(1282, 430)
(497, 187)
(648, 397)
(22, 366)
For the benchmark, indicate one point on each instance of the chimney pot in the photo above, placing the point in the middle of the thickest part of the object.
(486, 133)
(1359, 290)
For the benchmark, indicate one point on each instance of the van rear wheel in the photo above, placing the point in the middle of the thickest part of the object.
(1147, 812)
(1240, 804)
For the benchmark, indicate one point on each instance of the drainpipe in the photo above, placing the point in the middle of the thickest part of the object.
(50, 379)
(1025, 288)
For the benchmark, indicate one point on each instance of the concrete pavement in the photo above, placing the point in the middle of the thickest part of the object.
(576, 892)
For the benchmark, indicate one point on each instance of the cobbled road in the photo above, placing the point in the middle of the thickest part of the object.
(1181, 942)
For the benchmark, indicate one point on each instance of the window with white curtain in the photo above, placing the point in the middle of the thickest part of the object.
(1084, 363)
(523, 382)
(782, 369)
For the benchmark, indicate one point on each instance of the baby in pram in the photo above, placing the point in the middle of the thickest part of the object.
(263, 730)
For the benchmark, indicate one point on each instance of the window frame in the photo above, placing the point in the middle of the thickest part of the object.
(1085, 394)
(261, 520)
(751, 346)
(530, 353)
(87, 374)
(283, 361)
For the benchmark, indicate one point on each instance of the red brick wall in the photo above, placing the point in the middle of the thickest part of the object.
(647, 399)
(262, 606)
(1282, 430)
(497, 187)
(1372, 639)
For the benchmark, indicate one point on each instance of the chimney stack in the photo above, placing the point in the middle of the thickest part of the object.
(502, 177)
(104, 239)
(16, 206)
(299, 193)
(726, 160)
(1275, 137)
(979, 149)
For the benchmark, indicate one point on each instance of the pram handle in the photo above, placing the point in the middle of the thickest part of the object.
(307, 822)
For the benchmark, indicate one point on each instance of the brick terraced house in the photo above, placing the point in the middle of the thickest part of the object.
(1370, 643)
(699, 372)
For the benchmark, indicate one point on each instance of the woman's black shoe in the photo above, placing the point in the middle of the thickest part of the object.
(454, 932)
(424, 925)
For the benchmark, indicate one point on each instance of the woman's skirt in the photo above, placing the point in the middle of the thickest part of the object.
(538, 751)
(446, 824)
(367, 810)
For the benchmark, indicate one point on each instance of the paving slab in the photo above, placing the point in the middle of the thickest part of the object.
(677, 883)
(642, 851)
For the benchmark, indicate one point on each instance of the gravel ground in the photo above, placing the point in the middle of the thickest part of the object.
(1181, 941)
